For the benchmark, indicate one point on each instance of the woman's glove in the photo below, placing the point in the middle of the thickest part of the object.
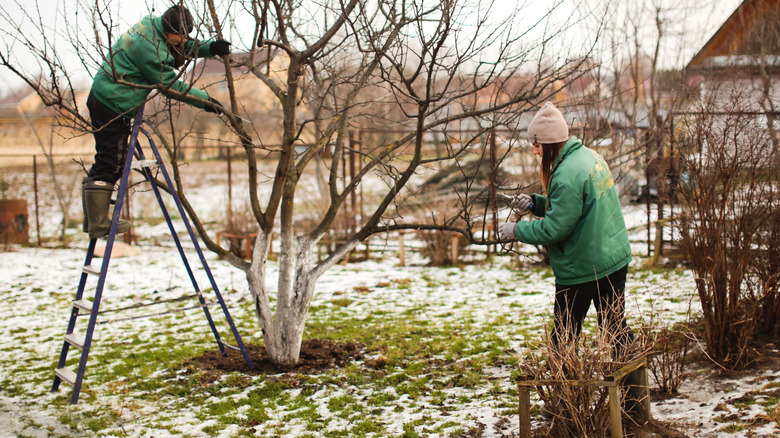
(522, 203)
(219, 48)
(507, 230)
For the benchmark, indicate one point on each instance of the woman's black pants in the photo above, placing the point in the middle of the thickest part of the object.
(608, 296)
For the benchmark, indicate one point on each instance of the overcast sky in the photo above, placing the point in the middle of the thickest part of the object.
(703, 17)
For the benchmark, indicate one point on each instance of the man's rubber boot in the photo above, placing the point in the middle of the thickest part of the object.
(85, 223)
(97, 198)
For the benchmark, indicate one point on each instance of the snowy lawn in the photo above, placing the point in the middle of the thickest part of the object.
(441, 345)
(449, 339)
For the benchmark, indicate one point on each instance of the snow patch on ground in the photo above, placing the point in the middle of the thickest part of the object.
(38, 284)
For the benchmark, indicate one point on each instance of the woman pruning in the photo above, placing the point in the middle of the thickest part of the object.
(582, 227)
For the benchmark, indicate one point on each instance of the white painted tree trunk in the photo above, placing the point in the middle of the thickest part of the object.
(283, 331)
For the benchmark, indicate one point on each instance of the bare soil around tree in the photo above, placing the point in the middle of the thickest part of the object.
(317, 355)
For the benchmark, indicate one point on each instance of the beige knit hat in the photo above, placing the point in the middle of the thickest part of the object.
(548, 126)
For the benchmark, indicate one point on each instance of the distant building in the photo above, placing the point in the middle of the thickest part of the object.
(28, 127)
(738, 69)
(742, 58)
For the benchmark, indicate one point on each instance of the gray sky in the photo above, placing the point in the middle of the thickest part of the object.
(686, 36)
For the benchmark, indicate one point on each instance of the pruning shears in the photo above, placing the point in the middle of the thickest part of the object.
(508, 199)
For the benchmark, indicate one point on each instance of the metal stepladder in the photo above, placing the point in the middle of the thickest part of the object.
(82, 306)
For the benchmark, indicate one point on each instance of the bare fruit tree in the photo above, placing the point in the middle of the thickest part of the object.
(414, 69)
(63, 184)
(635, 84)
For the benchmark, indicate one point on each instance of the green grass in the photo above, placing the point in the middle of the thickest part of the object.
(435, 361)
(341, 302)
(423, 359)
(733, 428)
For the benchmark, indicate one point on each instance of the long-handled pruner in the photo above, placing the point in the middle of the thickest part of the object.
(240, 118)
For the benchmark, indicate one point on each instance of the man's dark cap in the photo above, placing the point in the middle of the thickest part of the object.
(177, 19)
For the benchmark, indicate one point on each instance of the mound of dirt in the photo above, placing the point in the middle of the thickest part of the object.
(317, 355)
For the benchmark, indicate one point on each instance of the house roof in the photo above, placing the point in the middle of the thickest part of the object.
(736, 38)
(13, 99)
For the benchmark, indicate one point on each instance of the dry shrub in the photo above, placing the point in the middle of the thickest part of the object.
(241, 223)
(578, 410)
(669, 349)
(438, 247)
(438, 209)
(728, 227)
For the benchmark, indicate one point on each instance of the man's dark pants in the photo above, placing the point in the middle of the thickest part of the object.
(111, 131)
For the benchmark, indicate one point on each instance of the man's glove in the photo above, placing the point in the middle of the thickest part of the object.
(219, 48)
(507, 230)
(522, 203)
(213, 106)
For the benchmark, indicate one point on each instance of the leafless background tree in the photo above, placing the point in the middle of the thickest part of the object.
(63, 182)
(729, 229)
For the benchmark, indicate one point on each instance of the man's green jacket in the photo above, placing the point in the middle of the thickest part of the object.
(583, 225)
(141, 56)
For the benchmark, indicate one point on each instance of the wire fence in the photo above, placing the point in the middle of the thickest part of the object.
(46, 190)
(51, 186)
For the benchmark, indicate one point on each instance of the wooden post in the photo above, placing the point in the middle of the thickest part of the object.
(493, 176)
(37, 211)
(230, 190)
(524, 411)
(615, 422)
(644, 414)
(345, 260)
(401, 249)
(352, 218)
(128, 236)
(454, 248)
(647, 189)
(659, 236)
(657, 243)
(673, 167)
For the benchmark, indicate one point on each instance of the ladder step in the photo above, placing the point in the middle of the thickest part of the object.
(89, 269)
(75, 340)
(84, 305)
(140, 164)
(66, 375)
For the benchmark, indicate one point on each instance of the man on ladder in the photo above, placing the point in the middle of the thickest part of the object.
(146, 55)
